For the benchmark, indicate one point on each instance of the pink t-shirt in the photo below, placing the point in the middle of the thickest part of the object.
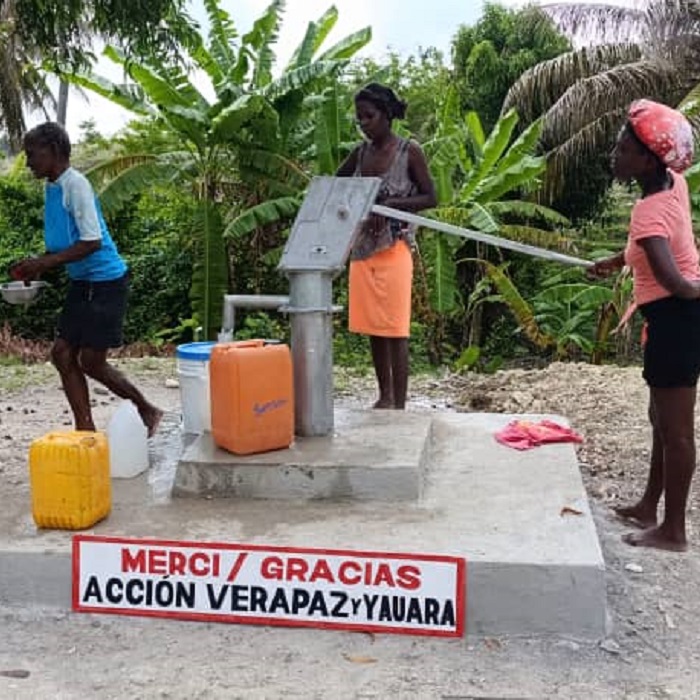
(665, 214)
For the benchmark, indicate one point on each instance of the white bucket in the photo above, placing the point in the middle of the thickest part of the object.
(193, 375)
(128, 446)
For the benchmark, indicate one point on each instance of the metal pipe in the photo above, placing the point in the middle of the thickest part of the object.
(246, 301)
(478, 236)
(311, 314)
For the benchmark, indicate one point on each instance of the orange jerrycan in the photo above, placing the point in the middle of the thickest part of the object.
(252, 399)
(69, 477)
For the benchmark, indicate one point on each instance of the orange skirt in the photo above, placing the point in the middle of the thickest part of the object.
(380, 293)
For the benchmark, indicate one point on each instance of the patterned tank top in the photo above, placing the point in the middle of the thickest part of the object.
(396, 182)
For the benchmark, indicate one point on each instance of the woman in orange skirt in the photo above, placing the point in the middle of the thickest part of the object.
(381, 265)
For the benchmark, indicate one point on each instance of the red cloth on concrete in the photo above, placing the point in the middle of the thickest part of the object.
(524, 435)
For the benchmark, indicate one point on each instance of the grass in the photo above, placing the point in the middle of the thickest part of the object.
(146, 366)
(15, 375)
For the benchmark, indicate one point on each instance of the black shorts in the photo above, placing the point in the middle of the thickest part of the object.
(93, 314)
(672, 350)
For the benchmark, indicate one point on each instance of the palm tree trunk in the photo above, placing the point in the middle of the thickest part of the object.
(62, 108)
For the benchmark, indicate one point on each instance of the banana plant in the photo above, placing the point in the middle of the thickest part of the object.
(569, 316)
(480, 180)
(230, 143)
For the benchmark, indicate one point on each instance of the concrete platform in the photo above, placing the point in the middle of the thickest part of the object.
(531, 570)
(371, 456)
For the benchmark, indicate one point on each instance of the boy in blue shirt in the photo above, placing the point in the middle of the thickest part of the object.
(92, 318)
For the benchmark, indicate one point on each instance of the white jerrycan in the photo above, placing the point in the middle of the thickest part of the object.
(128, 446)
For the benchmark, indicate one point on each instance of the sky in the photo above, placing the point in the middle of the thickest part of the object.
(398, 25)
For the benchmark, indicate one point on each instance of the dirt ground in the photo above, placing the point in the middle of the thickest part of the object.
(652, 650)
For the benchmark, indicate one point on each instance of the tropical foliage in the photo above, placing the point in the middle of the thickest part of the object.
(201, 188)
(240, 153)
(57, 32)
(480, 183)
(649, 50)
(490, 55)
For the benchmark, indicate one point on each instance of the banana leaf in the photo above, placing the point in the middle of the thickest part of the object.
(302, 78)
(316, 34)
(327, 134)
(494, 147)
(444, 293)
(261, 215)
(263, 35)
(524, 145)
(520, 175)
(251, 111)
(118, 180)
(129, 97)
(210, 270)
(520, 309)
(346, 48)
(222, 35)
(579, 294)
(173, 89)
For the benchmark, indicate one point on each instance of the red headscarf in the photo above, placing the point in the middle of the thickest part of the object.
(664, 131)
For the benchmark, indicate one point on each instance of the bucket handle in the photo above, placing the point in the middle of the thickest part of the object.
(252, 343)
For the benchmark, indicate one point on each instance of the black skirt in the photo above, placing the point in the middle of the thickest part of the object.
(672, 349)
(93, 314)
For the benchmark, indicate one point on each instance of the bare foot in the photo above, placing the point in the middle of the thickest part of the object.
(151, 418)
(383, 403)
(637, 515)
(658, 539)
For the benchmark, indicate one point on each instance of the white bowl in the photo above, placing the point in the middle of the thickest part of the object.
(19, 292)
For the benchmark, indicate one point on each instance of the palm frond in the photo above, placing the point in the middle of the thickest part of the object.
(605, 92)
(539, 87)
(596, 137)
(592, 23)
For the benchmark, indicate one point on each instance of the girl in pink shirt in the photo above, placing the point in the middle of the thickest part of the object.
(653, 148)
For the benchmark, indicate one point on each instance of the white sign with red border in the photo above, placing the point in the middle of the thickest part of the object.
(252, 584)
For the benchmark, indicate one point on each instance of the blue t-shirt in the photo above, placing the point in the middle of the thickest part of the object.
(71, 214)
